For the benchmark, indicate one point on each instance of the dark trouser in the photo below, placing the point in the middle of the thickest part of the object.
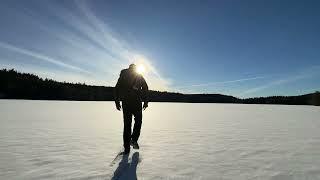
(127, 121)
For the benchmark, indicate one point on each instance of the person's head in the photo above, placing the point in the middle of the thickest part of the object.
(132, 67)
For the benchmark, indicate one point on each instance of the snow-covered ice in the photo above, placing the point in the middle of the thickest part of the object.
(80, 140)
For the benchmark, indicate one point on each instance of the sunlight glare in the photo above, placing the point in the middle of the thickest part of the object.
(141, 69)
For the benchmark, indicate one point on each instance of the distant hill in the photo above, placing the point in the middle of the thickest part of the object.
(16, 85)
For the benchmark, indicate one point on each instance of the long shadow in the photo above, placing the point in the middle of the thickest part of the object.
(126, 170)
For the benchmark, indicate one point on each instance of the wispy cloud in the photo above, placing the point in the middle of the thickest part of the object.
(231, 81)
(86, 42)
(121, 48)
(40, 56)
(210, 84)
(306, 73)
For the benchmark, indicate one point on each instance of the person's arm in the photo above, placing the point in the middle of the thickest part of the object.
(117, 92)
(144, 90)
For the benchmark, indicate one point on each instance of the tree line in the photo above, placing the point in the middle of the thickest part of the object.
(17, 85)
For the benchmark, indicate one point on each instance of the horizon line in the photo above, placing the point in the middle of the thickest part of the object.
(83, 83)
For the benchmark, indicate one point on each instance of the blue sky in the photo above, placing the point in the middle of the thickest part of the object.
(241, 48)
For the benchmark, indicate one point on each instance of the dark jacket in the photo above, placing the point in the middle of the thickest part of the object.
(131, 89)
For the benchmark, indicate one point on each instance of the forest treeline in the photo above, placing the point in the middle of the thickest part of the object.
(16, 85)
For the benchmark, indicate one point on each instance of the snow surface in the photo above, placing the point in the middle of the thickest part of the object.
(80, 140)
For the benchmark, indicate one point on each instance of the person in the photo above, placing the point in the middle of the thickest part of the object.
(131, 89)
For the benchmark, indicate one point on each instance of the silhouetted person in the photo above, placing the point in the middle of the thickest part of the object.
(131, 89)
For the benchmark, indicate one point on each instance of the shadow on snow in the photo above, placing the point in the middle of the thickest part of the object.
(127, 170)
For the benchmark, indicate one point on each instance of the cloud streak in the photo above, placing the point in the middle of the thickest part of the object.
(120, 48)
(223, 82)
(231, 81)
(307, 73)
(40, 57)
(84, 39)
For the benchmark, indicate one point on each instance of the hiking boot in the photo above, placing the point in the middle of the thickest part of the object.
(134, 144)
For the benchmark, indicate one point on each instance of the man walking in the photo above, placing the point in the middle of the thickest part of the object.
(131, 89)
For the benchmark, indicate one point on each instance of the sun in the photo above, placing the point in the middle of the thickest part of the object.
(141, 69)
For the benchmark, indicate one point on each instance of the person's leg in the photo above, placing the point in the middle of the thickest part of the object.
(127, 119)
(137, 126)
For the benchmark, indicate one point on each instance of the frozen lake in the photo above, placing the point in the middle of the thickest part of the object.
(79, 140)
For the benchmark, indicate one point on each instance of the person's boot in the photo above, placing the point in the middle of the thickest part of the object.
(134, 144)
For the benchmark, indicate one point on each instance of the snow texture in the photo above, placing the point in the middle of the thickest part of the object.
(81, 140)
